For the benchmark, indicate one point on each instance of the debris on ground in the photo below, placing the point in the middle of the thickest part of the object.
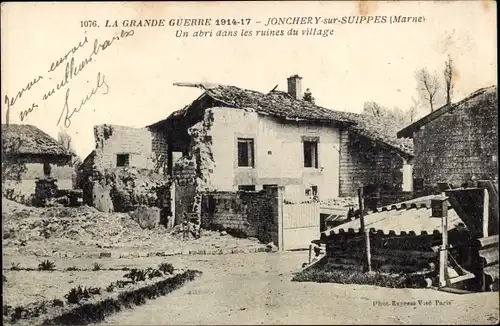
(84, 228)
(271, 247)
(146, 217)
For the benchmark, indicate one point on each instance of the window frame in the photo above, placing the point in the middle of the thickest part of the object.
(250, 152)
(313, 147)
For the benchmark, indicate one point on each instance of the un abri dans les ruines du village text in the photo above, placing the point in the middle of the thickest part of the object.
(251, 27)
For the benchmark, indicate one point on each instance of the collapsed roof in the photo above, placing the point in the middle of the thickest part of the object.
(282, 105)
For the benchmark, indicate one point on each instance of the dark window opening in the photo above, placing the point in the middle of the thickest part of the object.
(246, 188)
(269, 186)
(311, 154)
(122, 160)
(312, 191)
(245, 152)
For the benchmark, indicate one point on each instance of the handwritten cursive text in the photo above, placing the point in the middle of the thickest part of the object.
(68, 112)
(56, 63)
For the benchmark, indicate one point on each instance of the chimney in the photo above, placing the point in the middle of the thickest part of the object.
(295, 86)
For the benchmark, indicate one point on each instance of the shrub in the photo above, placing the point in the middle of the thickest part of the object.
(6, 309)
(110, 287)
(96, 267)
(4, 278)
(77, 294)
(15, 267)
(152, 273)
(136, 275)
(122, 284)
(46, 265)
(166, 268)
(72, 268)
(17, 314)
(57, 303)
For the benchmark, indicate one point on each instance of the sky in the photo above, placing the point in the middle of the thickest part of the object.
(133, 77)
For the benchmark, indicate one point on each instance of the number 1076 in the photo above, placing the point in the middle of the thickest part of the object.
(88, 23)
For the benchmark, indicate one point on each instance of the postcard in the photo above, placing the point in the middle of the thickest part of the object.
(250, 162)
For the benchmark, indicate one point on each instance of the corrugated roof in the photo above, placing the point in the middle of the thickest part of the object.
(28, 139)
(281, 104)
(410, 217)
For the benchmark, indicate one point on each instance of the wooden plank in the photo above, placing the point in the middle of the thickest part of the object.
(486, 213)
(461, 278)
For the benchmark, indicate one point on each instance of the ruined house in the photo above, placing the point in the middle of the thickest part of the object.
(120, 146)
(122, 152)
(26, 152)
(237, 139)
(457, 142)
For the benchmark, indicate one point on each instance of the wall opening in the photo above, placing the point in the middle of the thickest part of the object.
(246, 188)
(310, 154)
(122, 160)
(245, 152)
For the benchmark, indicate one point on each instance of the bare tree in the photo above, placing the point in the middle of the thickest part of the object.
(428, 86)
(66, 142)
(414, 108)
(398, 116)
(374, 109)
(448, 79)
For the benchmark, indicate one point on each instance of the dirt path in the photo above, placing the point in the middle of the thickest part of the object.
(256, 289)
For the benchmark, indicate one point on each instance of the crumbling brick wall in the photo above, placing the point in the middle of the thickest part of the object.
(459, 144)
(192, 173)
(143, 146)
(146, 149)
(362, 164)
(252, 214)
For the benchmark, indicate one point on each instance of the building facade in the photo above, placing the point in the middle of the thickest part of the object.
(457, 142)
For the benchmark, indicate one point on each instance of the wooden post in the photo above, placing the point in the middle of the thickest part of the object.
(310, 253)
(366, 233)
(368, 253)
(440, 209)
(486, 212)
(361, 215)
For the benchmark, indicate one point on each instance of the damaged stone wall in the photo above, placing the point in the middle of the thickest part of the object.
(251, 214)
(143, 146)
(111, 188)
(362, 164)
(460, 144)
(192, 173)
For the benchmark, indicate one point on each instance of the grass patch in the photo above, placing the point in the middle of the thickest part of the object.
(326, 274)
(72, 269)
(15, 267)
